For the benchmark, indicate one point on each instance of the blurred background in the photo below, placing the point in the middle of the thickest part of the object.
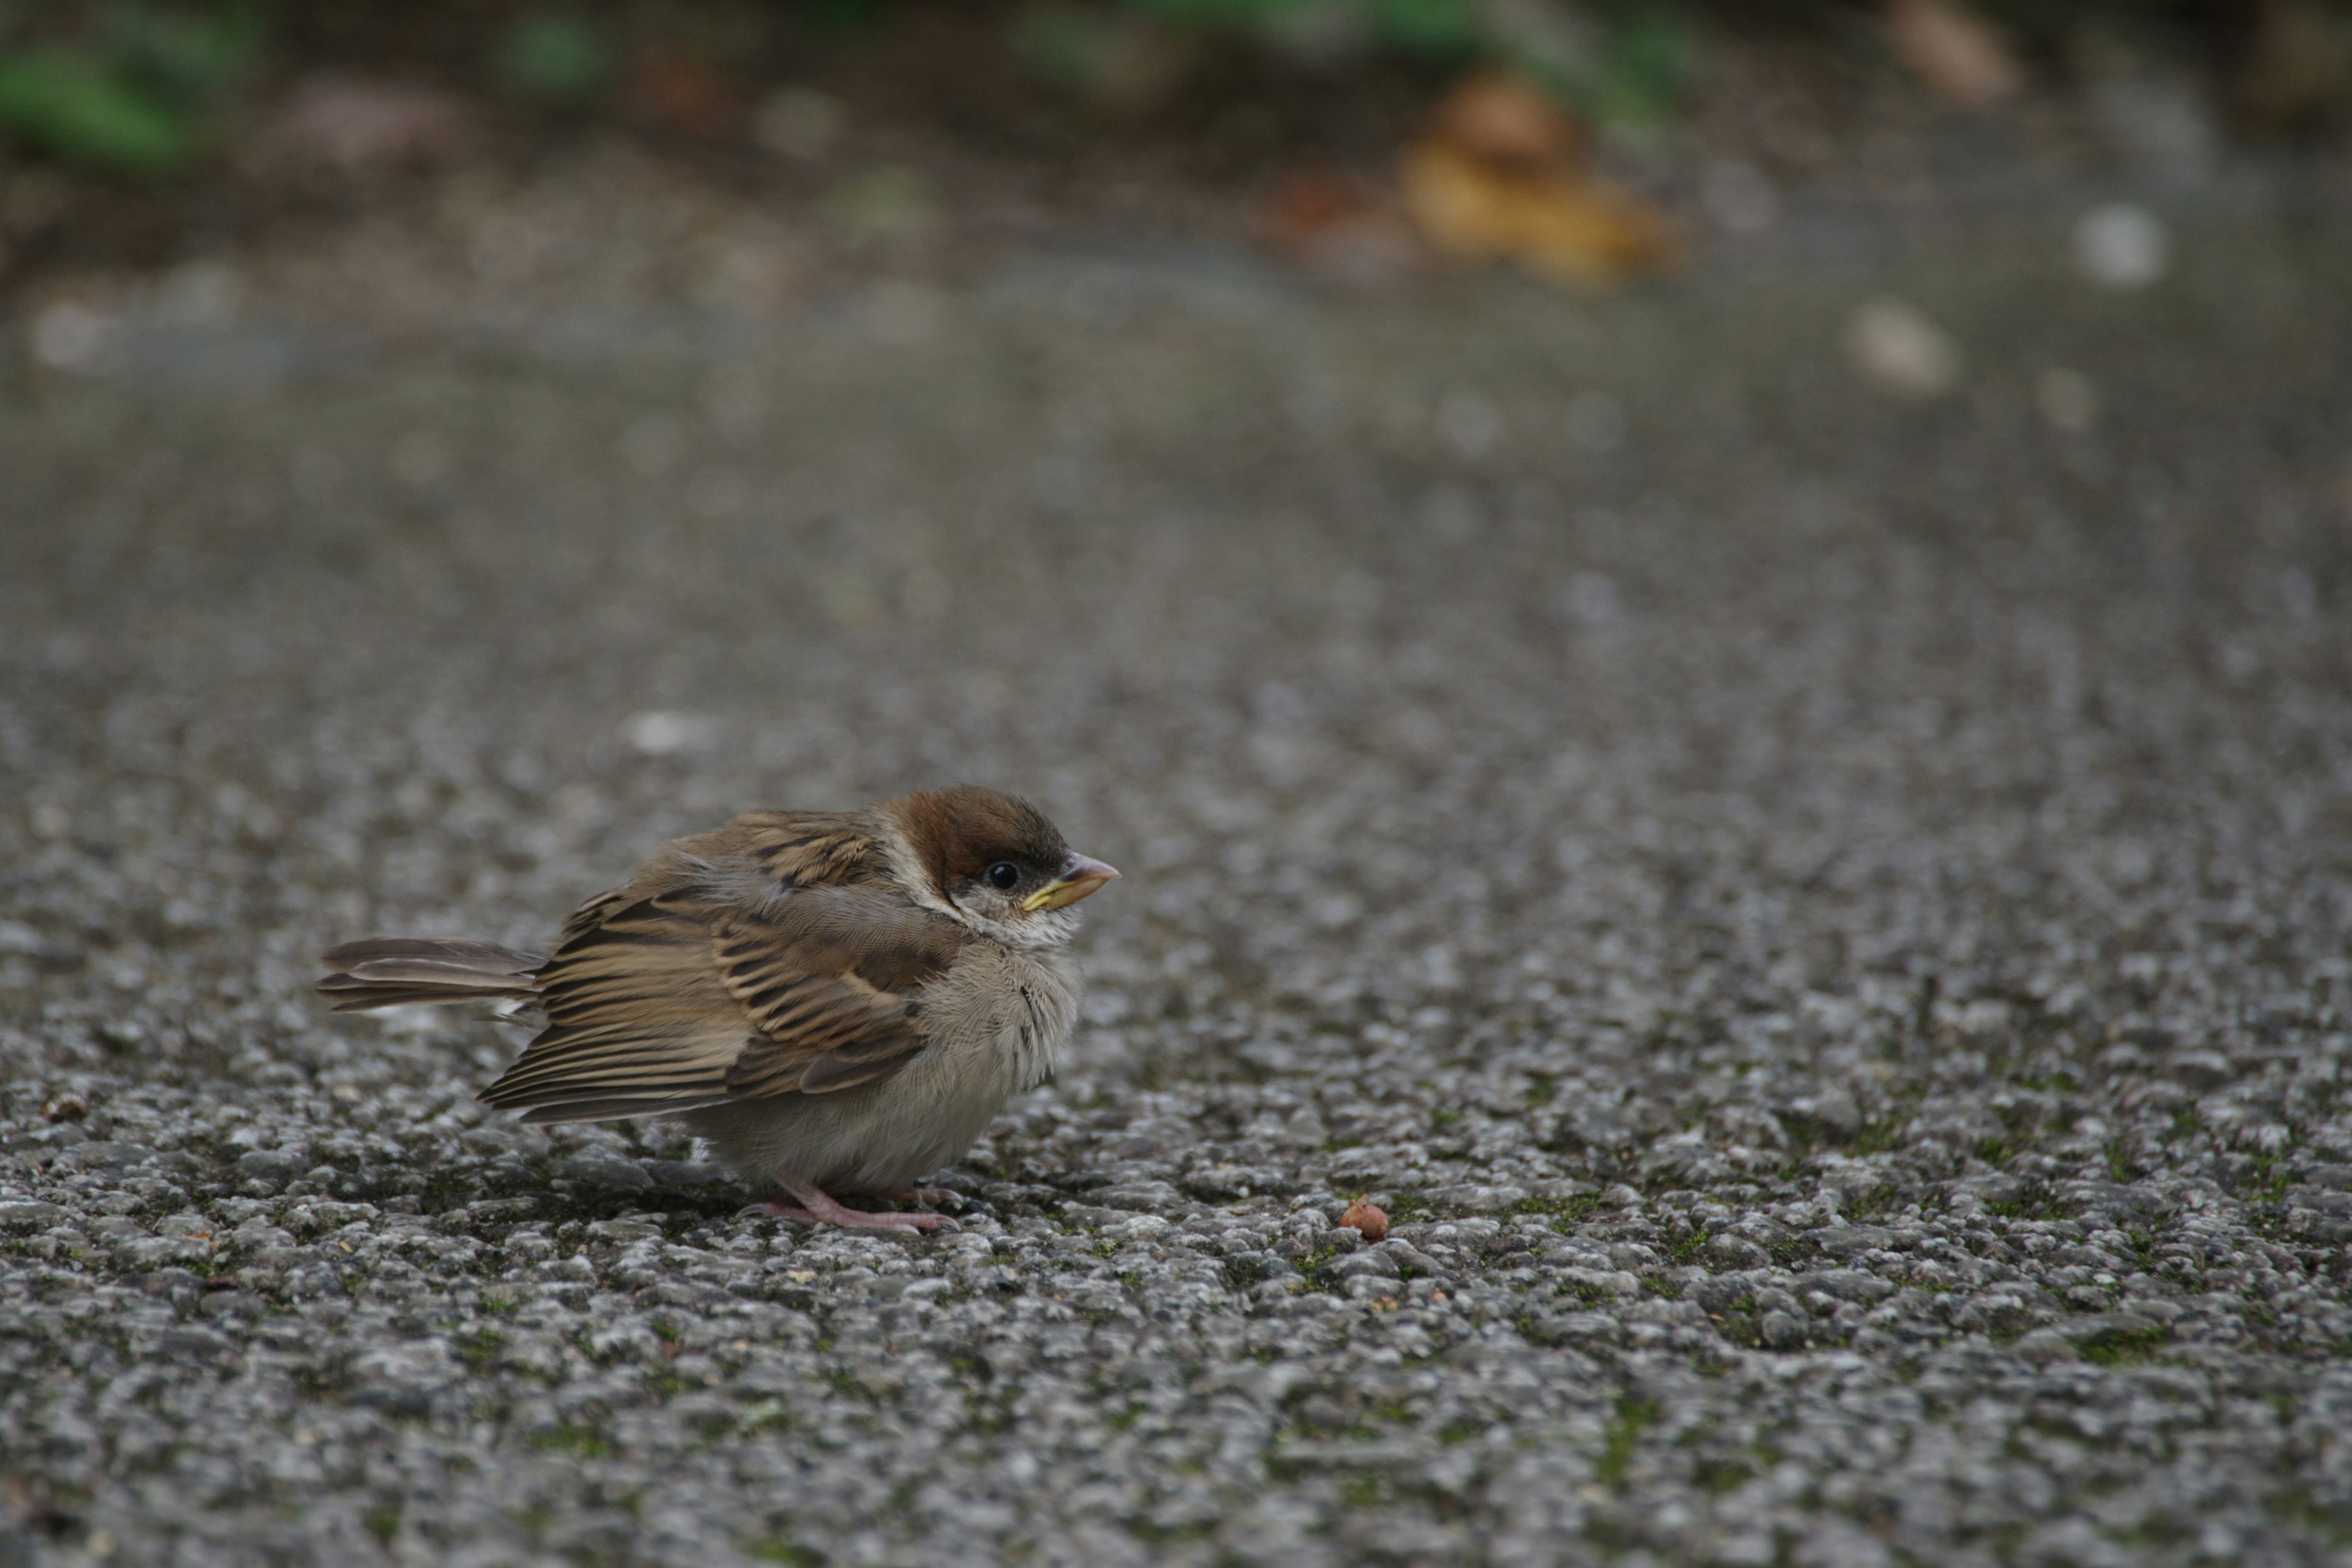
(433, 169)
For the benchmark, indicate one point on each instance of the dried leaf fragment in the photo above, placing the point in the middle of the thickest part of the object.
(1958, 53)
(1366, 1218)
(1568, 227)
(1499, 174)
(1500, 118)
(1330, 223)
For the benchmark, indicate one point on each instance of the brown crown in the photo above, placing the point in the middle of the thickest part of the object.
(959, 832)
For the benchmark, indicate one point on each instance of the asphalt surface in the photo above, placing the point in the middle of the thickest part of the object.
(1820, 918)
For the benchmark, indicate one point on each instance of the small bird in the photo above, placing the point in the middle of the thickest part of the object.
(839, 1000)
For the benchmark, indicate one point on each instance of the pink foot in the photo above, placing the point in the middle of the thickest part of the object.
(816, 1209)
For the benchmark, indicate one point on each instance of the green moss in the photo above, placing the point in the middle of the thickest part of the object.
(1623, 1435)
(2131, 1348)
(763, 1415)
(1566, 1213)
(1738, 1323)
(479, 1348)
(1404, 1205)
(2265, 1180)
(1686, 1249)
(1884, 1136)
(1720, 1475)
(580, 1442)
(776, 1549)
(383, 1523)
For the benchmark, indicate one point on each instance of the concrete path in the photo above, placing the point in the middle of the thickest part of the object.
(1822, 919)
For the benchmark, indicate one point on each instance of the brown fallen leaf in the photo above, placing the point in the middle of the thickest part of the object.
(1958, 53)
(1501, 119)
(1328, 222)
(1498, 172)
(1564, 225)
(690, 96)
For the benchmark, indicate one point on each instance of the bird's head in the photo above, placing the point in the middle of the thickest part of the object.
(994, 862)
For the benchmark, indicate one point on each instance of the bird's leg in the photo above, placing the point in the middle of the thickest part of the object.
(816, 1209)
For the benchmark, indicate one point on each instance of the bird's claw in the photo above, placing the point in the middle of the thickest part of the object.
(848, 1219)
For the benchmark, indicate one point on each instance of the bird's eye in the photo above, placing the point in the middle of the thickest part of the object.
(1003, 876)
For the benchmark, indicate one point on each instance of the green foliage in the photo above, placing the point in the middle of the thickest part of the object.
(555, 56)
(189, 56)
(1432, 29)
(1638, 70)
(71, 103)
(128, 96)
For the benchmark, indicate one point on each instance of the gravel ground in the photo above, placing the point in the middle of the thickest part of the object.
(1821, 918)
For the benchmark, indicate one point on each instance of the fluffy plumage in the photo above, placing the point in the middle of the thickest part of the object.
(837, 999)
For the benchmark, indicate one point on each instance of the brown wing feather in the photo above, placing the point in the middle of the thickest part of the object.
(761, 958)
(637, 1020)
(392, 972)
(831, 981)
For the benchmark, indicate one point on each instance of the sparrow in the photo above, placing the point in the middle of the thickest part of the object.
(840, 1001)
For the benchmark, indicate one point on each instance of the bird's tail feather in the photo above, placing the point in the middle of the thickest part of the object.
(402, 971)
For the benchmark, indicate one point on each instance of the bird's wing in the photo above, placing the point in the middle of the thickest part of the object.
(832, 982)
(638, 1018)
(761, 959)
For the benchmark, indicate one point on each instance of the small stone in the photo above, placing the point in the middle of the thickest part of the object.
(2120, 245)
(1898, 346)
(2067, 399)
(68, 1105)
(2045, 1345)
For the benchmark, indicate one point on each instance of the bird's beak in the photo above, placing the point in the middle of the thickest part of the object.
(1078, 878)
